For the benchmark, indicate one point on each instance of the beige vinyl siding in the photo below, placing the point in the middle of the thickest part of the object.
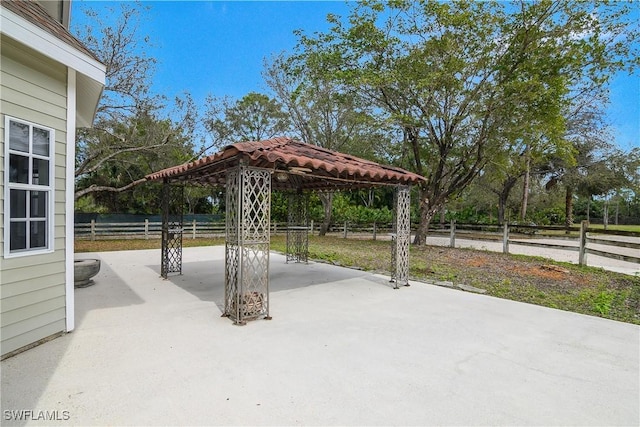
(37, 327)
(32, 287)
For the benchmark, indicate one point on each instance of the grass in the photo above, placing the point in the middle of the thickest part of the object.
(136, 244)
(534, 280)
(634, 228)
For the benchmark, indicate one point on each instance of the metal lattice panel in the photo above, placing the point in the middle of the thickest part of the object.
(247, 245)
(232, 254)
(298, 227)
(172, 229)
(401, 236)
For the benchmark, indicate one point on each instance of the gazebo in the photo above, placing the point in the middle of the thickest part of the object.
(249, 171)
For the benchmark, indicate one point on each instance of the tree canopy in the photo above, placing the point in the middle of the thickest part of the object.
(478, 97)
(462, 79)
(132, 134)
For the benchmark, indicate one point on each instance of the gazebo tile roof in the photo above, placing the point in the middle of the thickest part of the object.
(309, 165)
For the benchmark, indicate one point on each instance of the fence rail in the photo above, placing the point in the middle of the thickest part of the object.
(580, 239)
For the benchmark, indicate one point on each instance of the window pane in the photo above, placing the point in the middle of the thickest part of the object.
(18, 169)
(18, 236)
(38, 237)
(18, 136)
(18, 204)
(40, 172)
(40, 141)
(38, 204)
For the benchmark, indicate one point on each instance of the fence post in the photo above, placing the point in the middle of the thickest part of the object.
(582, 253)
(312, 227)
(505, 238)
(375, 231)
(345, 230)
(193, 229)
(93, 230)
(275, 228)
(452, 234)
(146, 229)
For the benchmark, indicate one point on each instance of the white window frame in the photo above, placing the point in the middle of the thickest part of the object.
(48, 189)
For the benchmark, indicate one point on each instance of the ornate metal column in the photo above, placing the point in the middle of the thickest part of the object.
(248, 207)
(172, 208)
(401, 236)
(298, 227)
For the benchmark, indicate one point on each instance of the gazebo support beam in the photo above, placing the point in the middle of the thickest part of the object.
(298, 227)
(248, 207)
(172, 228)
(402, 236)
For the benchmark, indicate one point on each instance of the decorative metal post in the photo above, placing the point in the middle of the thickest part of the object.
(401, 236)
(248, 207)
(298, 227)
(172, 204)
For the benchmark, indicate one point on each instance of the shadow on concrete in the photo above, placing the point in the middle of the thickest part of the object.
(108, 291)
(205, 279)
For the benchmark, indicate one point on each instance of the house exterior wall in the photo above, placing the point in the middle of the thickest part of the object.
(32, 287)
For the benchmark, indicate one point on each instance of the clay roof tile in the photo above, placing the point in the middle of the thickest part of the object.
(315, 167)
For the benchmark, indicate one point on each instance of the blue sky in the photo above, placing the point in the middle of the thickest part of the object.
(218, 48)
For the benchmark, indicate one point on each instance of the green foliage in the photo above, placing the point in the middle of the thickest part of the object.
(110, 162)
(132, 134)
(470, 82)
(347, 206)
(254, 117)
(603, 301)
(548, 216)
(86, 204)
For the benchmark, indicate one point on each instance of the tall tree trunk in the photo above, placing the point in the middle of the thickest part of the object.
(327, 203)
(503, 197)
(525, 188)
(502, 203)
(427, 212)
(568, 206)
(443, 211)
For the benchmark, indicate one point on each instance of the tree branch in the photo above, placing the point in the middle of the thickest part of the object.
(98, 188)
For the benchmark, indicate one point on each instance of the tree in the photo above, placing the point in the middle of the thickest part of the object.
(128, 134)
(458, 77)
(323, 114)
(136, 146)
(255, 117)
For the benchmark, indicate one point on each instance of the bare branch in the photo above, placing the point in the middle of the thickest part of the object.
(98, 188)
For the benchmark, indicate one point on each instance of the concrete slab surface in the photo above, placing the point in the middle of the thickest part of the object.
(343, 348)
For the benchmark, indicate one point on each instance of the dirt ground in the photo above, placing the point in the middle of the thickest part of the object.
(536, 280)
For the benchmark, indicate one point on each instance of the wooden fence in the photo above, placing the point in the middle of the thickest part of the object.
(193, 229)
(581, 239)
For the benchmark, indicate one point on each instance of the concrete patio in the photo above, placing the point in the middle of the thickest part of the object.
(343, 348)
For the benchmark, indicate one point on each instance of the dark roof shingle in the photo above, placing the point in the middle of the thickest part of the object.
(37, 15)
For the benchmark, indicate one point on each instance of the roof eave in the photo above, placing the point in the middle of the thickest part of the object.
(318, 174)
(34, 37)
